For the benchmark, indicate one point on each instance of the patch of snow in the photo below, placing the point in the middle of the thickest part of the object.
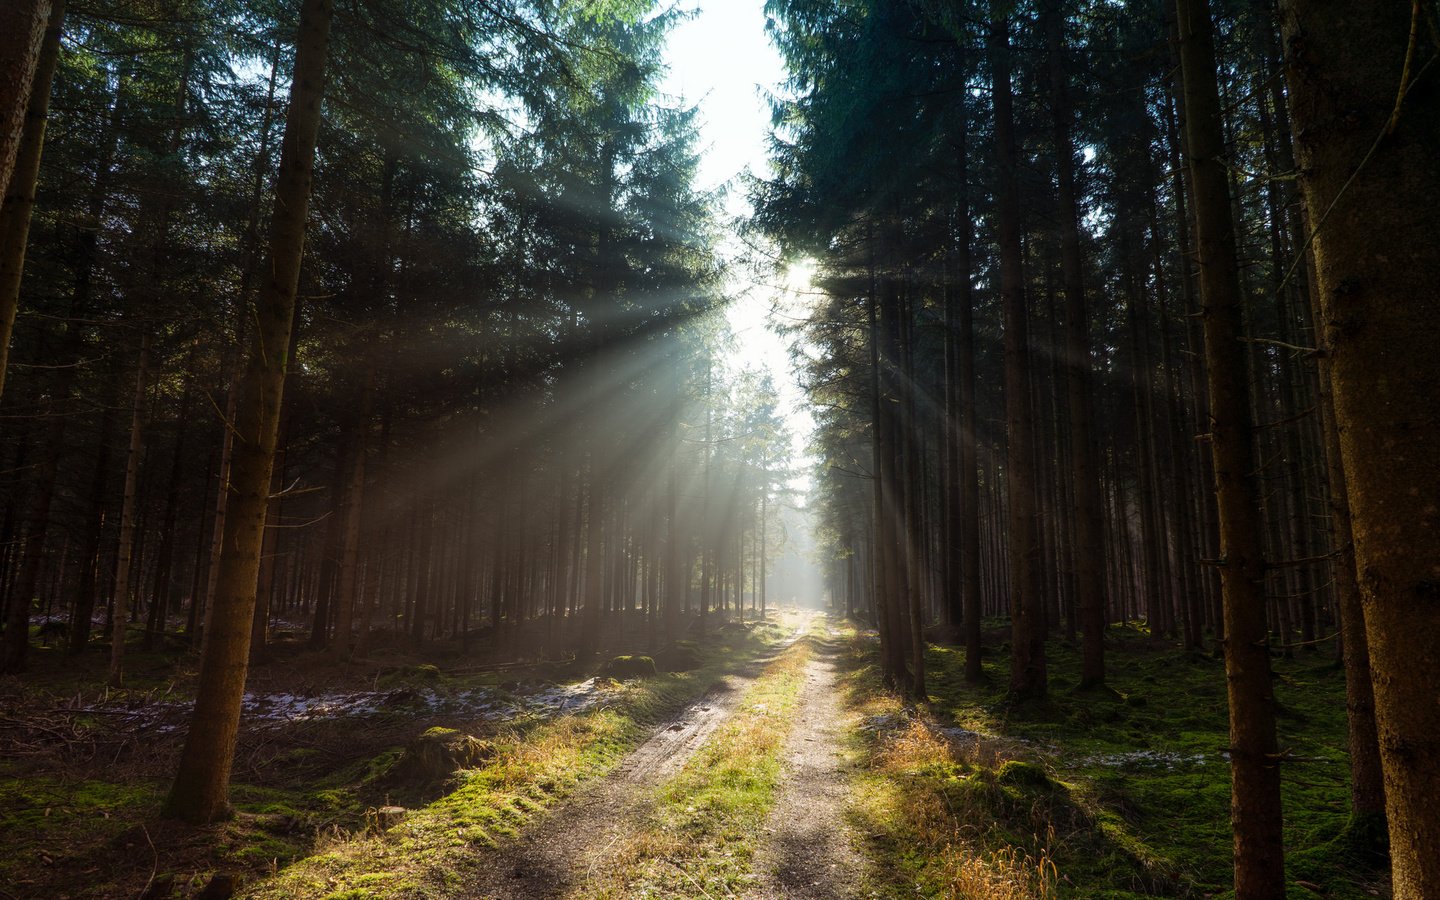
(278, 709)
(1148, 759)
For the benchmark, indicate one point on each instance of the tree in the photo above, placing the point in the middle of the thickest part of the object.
(1086, 519)
(22, 25)
(1366, 119)
(19, 200)
(201, 788)
(19, 196)
(1255, 809)
(1028, 678)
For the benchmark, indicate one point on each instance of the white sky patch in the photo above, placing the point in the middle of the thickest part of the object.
(723, 61)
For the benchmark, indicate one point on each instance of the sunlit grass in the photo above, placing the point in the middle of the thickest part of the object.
(709, 819)
(430, 853)
(924, 804)
(1119, 793)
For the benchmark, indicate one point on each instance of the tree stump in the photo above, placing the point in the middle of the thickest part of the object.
(439, 753)
(387, 817)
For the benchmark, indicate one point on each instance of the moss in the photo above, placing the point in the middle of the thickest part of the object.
(41, 816)
(421, 674)
(682, 656)
(630, 667)
(437, 754)
(1022, 775)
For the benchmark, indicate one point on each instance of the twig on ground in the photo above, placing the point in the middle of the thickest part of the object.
(154, 866)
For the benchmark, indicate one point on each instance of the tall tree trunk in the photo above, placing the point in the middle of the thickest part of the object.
(969, 472)
(125, 554)
(89, 581)
(22, 145)
(1254, 764)
(348, 585)
(1087, 528)
(1028, 678)
(1365, 108)
(201, 789)
(162, 583)
(22, 26)
(1367, 785)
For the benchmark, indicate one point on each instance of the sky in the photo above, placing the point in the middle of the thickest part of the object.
(722, 60)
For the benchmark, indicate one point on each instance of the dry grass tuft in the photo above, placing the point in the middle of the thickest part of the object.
(931, 805)
(1007, 874)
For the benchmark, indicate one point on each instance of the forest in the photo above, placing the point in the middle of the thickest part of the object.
(393, 505)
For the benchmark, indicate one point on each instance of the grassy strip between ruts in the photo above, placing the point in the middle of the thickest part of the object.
(428, 854)
(701, 837)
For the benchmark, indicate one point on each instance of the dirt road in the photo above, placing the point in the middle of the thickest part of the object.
(806, 851)
(809, 850)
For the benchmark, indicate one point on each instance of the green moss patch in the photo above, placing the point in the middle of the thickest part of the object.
(629, 667)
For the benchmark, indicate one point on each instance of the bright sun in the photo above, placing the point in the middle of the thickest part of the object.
(800, 275)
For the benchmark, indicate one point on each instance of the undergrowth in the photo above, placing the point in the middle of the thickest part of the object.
(1117, 793)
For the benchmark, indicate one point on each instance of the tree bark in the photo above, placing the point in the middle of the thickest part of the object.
(125, 553)
(1086, 524)
(20, 158)
(1365, 108)
(1028, 679)
(201, 789)
(22, 25)
(1254, 766)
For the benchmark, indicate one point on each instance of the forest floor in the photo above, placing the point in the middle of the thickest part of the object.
(1122, 792)
(83, 768)
(741, 794)
(771, 763)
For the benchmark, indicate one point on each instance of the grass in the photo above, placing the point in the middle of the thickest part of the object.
(701, 837)
(1055, 798)
(531, 769)
(75, 824)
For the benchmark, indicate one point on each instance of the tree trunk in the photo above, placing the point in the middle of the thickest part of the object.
(1086, 524)
(125, 553)
(1254, 765)
(1367, 786)
(347, 589)
(1366, 115)
(22, 26)
(201, 789)
(22, 145)
(1028, 678)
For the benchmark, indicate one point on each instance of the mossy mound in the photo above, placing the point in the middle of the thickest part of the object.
(423, 673)
(629, 667)
(736, 628)
(1019, 774)
(437, 754)
(682, 656)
